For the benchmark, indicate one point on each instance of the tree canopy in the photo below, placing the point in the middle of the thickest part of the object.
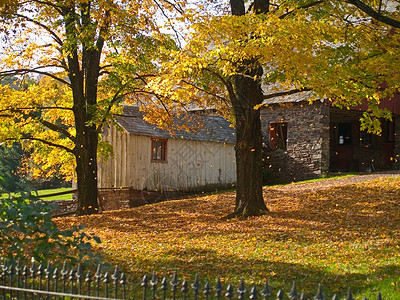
(266, 49)
(77, 50)
(329, 47)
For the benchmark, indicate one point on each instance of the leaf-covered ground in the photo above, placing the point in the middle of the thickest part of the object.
(339, 233)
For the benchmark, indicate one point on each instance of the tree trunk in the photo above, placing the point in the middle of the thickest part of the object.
(249, 197)
(86, 156)
(86, 139)
(83, 72)
(248, 94)
(86, 170)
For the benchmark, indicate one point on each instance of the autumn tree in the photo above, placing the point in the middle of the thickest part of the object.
(72, 47)
(267, 49)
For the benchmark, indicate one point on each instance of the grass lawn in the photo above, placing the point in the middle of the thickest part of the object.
(55, 191)
(338, 236)
(47, 192)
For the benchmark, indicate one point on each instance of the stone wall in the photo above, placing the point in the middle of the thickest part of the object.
(113, 199)
(307, 153)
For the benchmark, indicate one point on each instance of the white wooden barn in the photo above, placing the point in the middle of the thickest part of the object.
(148, 159)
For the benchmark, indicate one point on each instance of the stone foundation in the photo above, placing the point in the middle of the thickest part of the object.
(113, 199)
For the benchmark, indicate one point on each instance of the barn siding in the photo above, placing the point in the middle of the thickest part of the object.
(190, 164)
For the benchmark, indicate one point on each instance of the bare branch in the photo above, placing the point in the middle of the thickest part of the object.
(51, 144)
(285, 93)
(309, 5)
(52, 33)
(36, 108)
(227, 84)
(206, 92)
(52, 126)
(24, 71)
(374, 14)
(176, 6)
(177, 34)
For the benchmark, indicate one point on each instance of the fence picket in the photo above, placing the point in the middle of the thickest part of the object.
(293, 293)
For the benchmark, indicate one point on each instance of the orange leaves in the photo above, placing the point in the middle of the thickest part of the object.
(332, 229)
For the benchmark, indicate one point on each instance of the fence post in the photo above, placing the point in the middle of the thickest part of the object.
(115, 277)
(144, 285)
(174, 283)
(293, 293)
(196, 287)
(33, 270)
(266, 292)
(164, 287)
(218, 288)
(97, 279)
(153, 283)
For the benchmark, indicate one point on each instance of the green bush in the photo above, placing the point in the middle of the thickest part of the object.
(26, 229)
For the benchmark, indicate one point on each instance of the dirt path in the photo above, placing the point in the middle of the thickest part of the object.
(325, 184)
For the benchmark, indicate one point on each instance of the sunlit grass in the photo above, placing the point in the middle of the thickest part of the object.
(40, 193)
(55, 191)
(339, 237)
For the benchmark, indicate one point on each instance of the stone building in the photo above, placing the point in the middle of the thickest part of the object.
(304, 141)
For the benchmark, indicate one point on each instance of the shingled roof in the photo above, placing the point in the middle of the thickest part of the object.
(213, 129)
(294, 98)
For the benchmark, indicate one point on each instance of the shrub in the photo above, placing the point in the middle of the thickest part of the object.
(26, 228)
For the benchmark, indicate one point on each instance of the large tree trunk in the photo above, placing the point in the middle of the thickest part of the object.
(87, 135)
(84, 79)
(84, 89)
(248, 94)
(249, 197)
(86, 172)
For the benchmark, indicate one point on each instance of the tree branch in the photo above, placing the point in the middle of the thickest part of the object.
(204, 91)
(36, 108)
(49, 3)
(45, 123)
(116, 96)
(52, 126)
(176, 6)
(227, 84)
(285, 93)
(51, 144)
(52, 33)
(177, 34)
(374, 14)
(312, 4)
(24, 71)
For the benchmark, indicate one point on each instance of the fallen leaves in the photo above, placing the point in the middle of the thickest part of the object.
(339, 233)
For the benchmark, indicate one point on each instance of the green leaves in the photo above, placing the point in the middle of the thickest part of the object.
(26, 227)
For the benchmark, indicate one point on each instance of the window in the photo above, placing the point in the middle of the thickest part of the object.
(365, 138)
(159, 150)
(344, 134)
(278, 135)
(389, 131)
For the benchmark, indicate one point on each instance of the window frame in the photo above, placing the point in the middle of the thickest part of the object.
(164, 147)
(345, 128)
(390, 132)
(273, 127)
(366, 138)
